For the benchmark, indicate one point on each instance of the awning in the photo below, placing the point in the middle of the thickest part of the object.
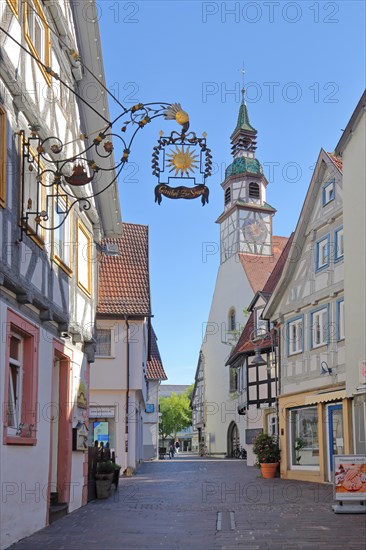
(325, 397)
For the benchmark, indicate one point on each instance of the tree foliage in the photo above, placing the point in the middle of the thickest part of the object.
(175, 414)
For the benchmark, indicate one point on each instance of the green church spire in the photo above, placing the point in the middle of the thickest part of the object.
(243, 118)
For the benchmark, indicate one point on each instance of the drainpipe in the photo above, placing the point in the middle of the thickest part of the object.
(277, 339)
(127, 385)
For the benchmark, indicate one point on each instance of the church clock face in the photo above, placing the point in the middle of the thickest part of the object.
(254, 230)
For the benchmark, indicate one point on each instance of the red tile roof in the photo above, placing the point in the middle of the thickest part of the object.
(337, 161)
(124, 287)
(154, 367)
(245, 343)
(258, 268)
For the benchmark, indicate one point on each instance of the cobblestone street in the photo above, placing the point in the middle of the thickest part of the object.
(197, 503)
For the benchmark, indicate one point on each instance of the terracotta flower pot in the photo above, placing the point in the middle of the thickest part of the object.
(268, 470)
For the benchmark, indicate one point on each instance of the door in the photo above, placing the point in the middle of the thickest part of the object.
(232, 439)
(335, 435)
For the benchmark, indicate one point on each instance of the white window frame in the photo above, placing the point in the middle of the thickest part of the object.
(329, 192)
(338, 244)
(319, 335)
(15, 394)
(62, 236)
(261, 325)
(295, 338)
(322, 253)
(111, 332)
(340, 319)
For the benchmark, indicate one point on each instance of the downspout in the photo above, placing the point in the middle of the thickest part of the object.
(127, 385)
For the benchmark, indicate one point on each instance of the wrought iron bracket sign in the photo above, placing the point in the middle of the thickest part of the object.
(53, 183)
(188, 155)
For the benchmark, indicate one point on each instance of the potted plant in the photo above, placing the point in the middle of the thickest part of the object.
(103, 478)
(267, 451)
(300, 444)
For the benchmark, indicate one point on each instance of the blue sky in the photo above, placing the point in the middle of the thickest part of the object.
(305, 72)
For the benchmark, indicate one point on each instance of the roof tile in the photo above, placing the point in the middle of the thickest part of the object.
(258, 267)
(154, 367)
(124, 287)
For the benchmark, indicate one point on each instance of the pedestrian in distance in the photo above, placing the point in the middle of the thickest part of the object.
(171, 451)
(177, 446)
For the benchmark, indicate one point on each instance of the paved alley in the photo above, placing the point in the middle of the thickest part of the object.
(196, 503)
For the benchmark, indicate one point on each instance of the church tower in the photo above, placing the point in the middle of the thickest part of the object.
(246, 223)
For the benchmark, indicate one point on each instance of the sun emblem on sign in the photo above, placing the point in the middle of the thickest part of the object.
(182, 161)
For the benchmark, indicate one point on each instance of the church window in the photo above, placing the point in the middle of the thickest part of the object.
(227, 196)
(254, 192)
(233, 379)
(232, 320)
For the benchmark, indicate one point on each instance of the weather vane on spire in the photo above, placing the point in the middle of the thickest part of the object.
(242, 70)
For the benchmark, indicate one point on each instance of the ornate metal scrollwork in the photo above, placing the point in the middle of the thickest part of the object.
(53, 182)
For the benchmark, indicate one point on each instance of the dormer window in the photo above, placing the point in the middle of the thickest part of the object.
(227, 196)
(254, 191)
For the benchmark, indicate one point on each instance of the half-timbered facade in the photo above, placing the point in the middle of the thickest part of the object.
(47, 276)
(255, 361)
(308, 305)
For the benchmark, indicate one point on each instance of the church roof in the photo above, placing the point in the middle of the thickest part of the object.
(258, 267)
(242, 165)
(245, 343)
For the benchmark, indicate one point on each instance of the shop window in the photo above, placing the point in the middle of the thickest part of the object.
(37, 34)
(84, 264)
(3, 130)
(304, 436)
(20, 381)
(104, 342)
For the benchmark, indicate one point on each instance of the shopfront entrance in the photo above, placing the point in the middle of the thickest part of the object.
(334, 435)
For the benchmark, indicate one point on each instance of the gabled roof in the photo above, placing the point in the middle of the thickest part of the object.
(337, 161)
(258, 267)
(124, 287)
(154, 366)
(245, 343)
(300, 231)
